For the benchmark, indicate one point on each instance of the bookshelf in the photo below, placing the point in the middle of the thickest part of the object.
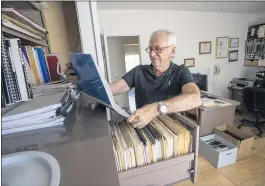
(9, 33)
(255, 46)
(31, 11)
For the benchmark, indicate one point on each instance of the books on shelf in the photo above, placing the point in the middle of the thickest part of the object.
(21, 25)
(163, 138)
(16, 15)
(24, 67)
(54, 67)
(15, 84)
(41, 112)
(8, 24)
(37, 65)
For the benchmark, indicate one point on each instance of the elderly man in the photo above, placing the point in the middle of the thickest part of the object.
(161, 87)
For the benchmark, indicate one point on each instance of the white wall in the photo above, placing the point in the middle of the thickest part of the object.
(190, 28)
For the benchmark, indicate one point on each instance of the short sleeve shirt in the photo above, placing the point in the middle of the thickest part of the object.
(149, 88)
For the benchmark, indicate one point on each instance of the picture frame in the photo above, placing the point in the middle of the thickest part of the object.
(234, 42)
(222, 44)
(189, 62)
(233, 55)
(205, 47)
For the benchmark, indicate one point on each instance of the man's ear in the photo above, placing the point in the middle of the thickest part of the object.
(174, 50)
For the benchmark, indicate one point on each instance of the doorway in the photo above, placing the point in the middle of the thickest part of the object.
(124, 55)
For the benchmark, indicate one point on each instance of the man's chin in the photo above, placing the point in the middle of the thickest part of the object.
(156, 63)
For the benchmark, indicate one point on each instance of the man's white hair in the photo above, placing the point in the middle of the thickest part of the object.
(172, 38)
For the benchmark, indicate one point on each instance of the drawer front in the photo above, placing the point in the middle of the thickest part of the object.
(160, 173)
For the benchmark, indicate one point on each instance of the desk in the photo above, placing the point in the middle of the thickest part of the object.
(78, 146)
(210, 117)
(84, 150)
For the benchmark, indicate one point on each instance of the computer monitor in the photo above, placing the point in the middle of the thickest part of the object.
(201, 81)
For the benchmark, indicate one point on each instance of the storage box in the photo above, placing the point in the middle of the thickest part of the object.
(216, 157)
(243, 141)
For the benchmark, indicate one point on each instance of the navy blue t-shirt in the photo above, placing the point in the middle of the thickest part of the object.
(149, 88)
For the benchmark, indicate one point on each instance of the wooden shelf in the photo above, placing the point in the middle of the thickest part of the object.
(24, 37)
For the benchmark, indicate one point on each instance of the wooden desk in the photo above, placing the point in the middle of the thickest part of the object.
(210, 117)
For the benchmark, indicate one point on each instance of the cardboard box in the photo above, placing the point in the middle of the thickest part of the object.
(218, 158)
(243, 141)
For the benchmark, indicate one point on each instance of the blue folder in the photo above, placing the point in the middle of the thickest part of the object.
(89, 80)
(43, 64)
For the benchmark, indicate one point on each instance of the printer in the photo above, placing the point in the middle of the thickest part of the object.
(241, 82)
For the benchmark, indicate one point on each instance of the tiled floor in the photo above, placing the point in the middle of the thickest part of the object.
(249, 171)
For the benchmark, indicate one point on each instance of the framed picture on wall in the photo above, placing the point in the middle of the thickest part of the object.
(233, 55)
(222, 44)
(205, 47)
(234, 42)
(189, 62)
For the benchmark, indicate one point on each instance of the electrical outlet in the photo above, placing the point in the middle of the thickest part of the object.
(216, 69)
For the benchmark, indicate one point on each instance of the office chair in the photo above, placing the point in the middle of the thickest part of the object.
(254, 100)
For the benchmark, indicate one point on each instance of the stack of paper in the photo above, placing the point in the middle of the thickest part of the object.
(161, 139)
(45, 111)
(51, 88)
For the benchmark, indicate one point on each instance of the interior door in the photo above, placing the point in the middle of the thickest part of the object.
(116, 55)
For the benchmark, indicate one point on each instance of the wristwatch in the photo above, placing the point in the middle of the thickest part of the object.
(162, 108)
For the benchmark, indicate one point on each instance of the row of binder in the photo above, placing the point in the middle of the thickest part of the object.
(255, 46)
(25, 67)
(37, 65)
(15, 86)
(163, 138)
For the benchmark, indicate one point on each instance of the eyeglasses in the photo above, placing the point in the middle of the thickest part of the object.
(157, 50)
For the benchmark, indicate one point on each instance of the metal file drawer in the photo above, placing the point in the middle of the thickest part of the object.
(160, 173)
(169, 171)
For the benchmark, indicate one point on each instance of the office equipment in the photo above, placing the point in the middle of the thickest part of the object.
(92, 82)
(260, 79)
(236, 87)
(253, 99)
(201, 81)
(241, 82)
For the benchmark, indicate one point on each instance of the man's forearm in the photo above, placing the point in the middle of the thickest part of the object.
(183, 102)
(119, 87)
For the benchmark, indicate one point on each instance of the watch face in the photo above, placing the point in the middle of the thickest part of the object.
(163, 109)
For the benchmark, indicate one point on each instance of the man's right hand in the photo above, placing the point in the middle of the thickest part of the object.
(70, 74)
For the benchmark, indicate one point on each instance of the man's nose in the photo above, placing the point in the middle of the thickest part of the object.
(152, 53)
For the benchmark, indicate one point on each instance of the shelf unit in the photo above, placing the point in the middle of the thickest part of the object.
(255, 46)
(9, 33)
(33, 12)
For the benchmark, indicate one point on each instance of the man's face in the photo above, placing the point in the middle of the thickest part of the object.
(161, 53)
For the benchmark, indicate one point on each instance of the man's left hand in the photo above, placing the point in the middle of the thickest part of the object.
(141, 117)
